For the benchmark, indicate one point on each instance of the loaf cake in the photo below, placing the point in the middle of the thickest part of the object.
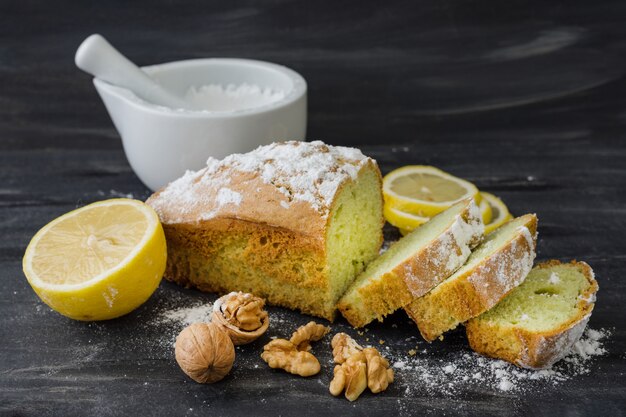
(538, 323)
(291, 222)
(414, 264)
(495, 267)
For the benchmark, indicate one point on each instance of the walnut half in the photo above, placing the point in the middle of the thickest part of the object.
(282, 354)
(242, 316)
(293, 355)
(358, 368)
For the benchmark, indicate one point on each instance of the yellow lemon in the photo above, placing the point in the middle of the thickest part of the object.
(98, 262)
(500, 212)
(425, 191)
(402, 220)
(486, 211)
(407, 222)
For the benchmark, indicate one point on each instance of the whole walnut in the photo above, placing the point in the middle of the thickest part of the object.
(204, 352)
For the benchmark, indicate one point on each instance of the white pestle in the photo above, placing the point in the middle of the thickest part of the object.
(99, 58)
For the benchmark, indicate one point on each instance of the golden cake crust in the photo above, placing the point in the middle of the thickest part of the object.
(455, 301)
(540, 349)
(235, 188)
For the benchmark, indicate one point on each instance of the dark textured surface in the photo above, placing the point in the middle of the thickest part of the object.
(524, 98)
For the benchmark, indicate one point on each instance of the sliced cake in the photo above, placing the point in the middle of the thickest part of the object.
(538, 323)
(291, 222)
(414, 264)
(495, 267)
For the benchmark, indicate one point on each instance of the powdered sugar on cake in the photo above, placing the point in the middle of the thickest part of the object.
(228, 196)
(309, 172)
(453, 248)
(302, 171)
(466, 235)
(557, 347)
(512, 265)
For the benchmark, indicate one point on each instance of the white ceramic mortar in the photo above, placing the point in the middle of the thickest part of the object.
(162, 143)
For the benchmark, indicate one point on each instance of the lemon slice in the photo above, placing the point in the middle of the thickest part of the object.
(407, 222)
(402, 220)
(425, 191)
(500, 213)
(98, 262)
(486, 211)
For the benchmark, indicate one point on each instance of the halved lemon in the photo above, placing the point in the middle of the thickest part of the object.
(98, 262)
(425, 191)
(500, 212)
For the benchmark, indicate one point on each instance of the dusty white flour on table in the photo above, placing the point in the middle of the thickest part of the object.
(420, 373)
(115, 194)
(189, 315)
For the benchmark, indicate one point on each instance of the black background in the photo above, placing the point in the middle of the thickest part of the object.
(526, 99)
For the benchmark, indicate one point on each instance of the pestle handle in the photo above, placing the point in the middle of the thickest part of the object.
(99, 58)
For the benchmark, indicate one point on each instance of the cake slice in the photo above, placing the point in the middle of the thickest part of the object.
(414, 264)
(497, 266)
(291, 222)
(538, 323)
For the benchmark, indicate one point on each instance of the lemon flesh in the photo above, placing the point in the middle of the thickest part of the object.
(499, 212)
(425, 191)
(486, 210)
(402, 220)
(98, 262)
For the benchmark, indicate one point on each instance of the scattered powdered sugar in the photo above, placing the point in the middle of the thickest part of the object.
(189, 315)
(589, 346)
(115, 193)
(174, 317)
(422, 373)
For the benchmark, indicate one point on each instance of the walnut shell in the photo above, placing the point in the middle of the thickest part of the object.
(251, 320)
(204, 352)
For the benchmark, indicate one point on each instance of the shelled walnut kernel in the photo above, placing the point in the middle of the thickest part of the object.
(293, 355)
(358, 368)
(242, 316)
